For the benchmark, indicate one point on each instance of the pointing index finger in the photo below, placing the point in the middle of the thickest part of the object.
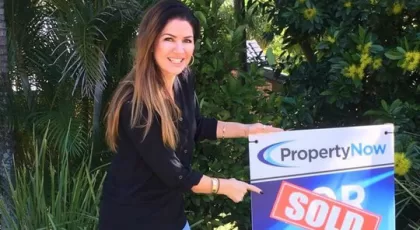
(254, 188)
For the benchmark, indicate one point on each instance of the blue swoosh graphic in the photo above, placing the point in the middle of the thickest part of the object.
(375, 179)
(265, 155)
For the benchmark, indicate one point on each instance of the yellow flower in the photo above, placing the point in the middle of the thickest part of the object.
(397, 8)
(330, 39)
(360, 72)
(364, 48)
(411, 60)
(365, 60)
(309, 13)
(402, 164)
(351, 71)
(377, 63)
(367, 46)
(347, 4)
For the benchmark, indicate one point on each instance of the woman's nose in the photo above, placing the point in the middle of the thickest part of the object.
(179, 47)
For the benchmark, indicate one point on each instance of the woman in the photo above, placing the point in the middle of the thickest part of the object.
(153, 121)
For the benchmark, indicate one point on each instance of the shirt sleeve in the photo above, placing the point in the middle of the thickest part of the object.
(206, 127)
(162, 160)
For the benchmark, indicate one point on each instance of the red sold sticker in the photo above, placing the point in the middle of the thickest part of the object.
(309, 210)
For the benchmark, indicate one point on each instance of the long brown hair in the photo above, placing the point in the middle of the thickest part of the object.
(144, 85)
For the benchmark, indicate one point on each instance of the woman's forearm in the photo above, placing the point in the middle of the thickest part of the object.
(232, 188)
(205, 186)
(239, 130)
(232, 130)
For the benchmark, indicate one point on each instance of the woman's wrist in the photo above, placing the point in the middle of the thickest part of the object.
(245, 130)
(215, 185)
(223, 186)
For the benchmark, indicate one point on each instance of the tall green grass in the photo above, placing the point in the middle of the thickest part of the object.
(52, 193)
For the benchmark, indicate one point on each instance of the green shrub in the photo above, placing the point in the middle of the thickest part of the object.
(357, 63)
(49, 193)
(228, 98)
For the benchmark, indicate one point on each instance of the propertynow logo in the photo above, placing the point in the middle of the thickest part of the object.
(278, 154)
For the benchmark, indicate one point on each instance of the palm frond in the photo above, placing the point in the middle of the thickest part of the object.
(82, 26)
(66, 130)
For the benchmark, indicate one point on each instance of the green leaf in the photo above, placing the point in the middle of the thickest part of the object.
(336, 33)
(289, 100)
(393, 55)
(347, 57)
(374, 113)
(354, 38)
(237, 34)
(384, 105)
(208, 44)
(287, 14)
(377, 48)
(327, 92)
(362, 33)
(335, 59)
(331, 99)
(201, 18)
(357, 82)
(270, 56)
(215, 63)
(401, 50)
(232, 84)
(395, 104)
(397, 110)
(407, 46)
(322, 45)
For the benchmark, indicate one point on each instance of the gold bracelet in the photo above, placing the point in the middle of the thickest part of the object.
(214, 185)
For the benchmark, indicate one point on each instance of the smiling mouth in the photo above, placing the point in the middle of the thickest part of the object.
(176, 60)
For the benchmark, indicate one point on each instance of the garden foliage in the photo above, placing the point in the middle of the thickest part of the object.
(343, 63)
(358, 63)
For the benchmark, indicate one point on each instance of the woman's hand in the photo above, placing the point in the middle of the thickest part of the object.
(258, 128)
(235, 189)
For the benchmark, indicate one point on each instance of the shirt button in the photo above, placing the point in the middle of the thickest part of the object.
(180, 177)
(185, 151)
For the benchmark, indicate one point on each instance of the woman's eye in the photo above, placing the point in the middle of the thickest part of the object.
(171, 40)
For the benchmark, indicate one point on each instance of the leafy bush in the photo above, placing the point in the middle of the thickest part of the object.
(360, 66)
(349, 63)
(229, 97)
(51, 194)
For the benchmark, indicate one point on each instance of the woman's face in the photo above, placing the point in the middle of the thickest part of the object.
(174, 47)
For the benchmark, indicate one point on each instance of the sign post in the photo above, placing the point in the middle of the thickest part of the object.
(332, 179)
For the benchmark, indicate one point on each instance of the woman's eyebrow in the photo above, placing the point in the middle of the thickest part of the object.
(171, 35)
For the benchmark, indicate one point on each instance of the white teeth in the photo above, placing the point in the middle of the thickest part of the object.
(176, 60)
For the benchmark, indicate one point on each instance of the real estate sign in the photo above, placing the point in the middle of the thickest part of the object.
(333, 179)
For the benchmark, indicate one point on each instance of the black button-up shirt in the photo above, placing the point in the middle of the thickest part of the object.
(145, 183)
